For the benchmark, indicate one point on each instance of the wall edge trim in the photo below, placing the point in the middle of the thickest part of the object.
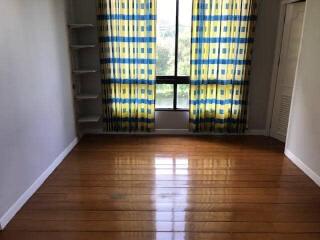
(301, 165)
(258, 132)
(24, 197)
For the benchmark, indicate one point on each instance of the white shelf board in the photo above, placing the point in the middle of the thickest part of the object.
(89, 119)
(84, 71)
(74, 46)
(81, 25)
(86, 96)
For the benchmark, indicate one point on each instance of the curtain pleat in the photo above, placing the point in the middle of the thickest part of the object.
(127, 36)
(221, 48)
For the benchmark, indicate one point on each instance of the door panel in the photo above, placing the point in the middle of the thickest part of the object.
(287, 69)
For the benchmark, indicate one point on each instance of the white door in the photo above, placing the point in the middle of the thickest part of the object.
(287, 69)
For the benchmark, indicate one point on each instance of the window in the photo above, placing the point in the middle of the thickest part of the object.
(173, 54)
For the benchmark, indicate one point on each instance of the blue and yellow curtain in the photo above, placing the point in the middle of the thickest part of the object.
(128, 54)
(222, 37)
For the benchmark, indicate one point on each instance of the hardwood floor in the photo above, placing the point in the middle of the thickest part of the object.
(172, 188)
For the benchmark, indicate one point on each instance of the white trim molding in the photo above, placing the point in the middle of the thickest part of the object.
(300, 164)
(256, 132)
(172, 131)
(11, 212)
(186, 132)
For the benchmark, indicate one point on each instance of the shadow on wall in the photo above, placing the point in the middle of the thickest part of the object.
(262, 63)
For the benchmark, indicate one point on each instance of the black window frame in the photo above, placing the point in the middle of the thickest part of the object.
(175, 79)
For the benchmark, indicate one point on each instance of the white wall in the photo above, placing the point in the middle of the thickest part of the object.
(36, 110)
(177, 120)
(303, 138)
(262, 63)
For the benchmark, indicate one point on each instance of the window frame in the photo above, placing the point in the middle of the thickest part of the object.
(175, 79)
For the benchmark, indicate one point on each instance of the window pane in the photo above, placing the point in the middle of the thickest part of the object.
(184, 41)
(166, 32)
(183, 96)
(164, 96)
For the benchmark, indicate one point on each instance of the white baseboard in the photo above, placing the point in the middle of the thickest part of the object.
(172, 131)
(187, 132)
(155, 132)
(300, 164)
(5, 219)
(261, 132)
(258, 132)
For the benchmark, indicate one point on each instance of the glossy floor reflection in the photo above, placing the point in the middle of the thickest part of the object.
(172, 188)
(175, 220)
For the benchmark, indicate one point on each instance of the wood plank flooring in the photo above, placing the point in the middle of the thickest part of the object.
(172, 188)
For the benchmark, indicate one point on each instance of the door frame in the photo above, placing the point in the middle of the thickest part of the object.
(276, 61)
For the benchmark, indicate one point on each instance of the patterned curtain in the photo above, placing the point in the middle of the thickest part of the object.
(127, 48)
(222, 37)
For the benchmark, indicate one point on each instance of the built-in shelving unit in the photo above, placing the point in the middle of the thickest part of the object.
(81, 25)
(82, 46)
(89, 119)
(87, 96)
(83, 38)
(84, 71)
